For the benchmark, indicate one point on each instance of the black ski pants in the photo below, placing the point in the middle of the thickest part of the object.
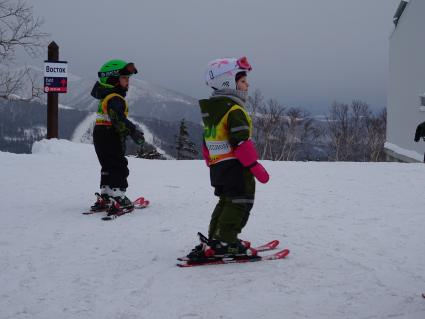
(110, 150)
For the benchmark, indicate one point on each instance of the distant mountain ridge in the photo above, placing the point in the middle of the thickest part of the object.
(24, 122)
(145, 99)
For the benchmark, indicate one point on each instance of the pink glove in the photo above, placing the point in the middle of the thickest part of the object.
(206, 154)
(247, 155)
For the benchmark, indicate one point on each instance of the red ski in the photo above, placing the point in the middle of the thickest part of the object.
(138, 204)
(269, 246)
(237, 260)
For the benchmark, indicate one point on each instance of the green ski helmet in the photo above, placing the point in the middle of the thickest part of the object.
(113, 69)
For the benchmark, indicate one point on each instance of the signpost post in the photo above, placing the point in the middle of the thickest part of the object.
(55, 81)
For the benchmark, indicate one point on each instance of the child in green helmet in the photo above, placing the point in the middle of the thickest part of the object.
(110, 133)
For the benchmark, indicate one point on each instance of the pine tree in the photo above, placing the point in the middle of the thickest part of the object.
(184, 146)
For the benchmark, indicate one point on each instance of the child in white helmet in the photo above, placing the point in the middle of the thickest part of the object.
(231, 156)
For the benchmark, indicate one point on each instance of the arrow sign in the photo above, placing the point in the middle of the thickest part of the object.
(55, 76)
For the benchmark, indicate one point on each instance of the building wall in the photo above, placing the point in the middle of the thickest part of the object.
(407, 77)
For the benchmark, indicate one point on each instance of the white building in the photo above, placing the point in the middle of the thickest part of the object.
(406, 92)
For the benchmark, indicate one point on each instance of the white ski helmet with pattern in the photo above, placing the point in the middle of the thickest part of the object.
(221, 73)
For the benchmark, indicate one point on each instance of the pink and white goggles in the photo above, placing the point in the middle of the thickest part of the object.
(244, 64)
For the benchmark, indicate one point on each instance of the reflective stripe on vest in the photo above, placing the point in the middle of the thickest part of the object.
(217, 138)
(102, 117)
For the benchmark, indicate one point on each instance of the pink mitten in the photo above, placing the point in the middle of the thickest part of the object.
(247, 155)
(260, 173)
(206, 154)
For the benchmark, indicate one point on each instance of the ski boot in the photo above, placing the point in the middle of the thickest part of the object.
(120, 204)
(245, 243)
(204, 240)
(102, 203)
(215, 249)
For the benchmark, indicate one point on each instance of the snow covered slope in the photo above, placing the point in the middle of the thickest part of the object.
(355, 231)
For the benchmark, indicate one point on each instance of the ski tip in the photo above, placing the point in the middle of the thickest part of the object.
(91, 212)
(284, 252)
(182, 258)
(141, 204)
(281, 254)
(274, 243)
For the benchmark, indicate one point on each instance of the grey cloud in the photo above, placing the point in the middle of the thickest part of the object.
(305, 53)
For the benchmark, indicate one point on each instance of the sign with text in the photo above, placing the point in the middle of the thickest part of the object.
(55, 76)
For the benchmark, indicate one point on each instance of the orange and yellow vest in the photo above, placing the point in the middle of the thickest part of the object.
(102, 117)
(217, 137)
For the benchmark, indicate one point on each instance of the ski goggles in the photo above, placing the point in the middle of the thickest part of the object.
(244, 64)
(129, 69)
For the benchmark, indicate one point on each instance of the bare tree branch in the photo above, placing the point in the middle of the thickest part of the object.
(355, 134)
(280, 133)
(18, 29)
(12, 82)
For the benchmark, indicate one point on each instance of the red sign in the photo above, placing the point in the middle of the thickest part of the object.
(55, 85)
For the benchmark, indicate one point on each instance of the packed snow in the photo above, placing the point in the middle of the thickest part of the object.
(404, 152)
(355, 231)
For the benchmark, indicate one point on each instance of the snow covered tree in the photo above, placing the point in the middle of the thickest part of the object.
(184, 146)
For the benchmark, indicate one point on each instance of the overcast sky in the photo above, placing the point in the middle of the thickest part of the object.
(304, 53)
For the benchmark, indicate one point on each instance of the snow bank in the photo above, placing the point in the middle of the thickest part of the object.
(355, 231)
(61, 147)
(404, 152)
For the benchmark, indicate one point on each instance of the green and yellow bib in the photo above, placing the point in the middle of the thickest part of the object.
(217, 137)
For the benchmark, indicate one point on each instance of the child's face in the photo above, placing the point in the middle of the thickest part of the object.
(242, 84)
(124, 81)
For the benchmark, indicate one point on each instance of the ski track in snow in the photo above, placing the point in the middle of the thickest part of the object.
(355, 231)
